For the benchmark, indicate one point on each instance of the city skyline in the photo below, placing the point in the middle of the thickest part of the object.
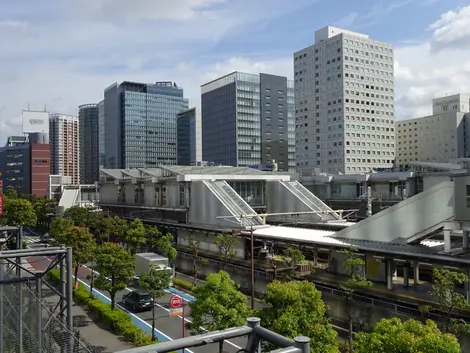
(205, 46)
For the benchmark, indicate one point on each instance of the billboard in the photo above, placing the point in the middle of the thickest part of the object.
(35, 121)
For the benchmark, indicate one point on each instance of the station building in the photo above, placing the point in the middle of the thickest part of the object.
(431, 225)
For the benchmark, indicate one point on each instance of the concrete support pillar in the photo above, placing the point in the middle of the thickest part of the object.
(447, 245)
(406, 275)
(389, 273)
(465, 238)
(416, 273)
(315, 256)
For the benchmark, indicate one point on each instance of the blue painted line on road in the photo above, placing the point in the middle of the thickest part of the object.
(185, 296)
(135, 319)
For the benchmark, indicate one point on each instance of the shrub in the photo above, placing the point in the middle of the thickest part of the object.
(117, 320)
(183, 284)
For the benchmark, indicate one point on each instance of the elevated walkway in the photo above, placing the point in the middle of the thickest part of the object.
(291, 197)
(234, 203)
(409, 221)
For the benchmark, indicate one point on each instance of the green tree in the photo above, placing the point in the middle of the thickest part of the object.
(227, 243)
(353, 266)
(219, 304)
(135, 236)
(296, 308)
(60, 228)
(444, 289)
(198, 263)
(115, 267)
(98, 226)
(155, 282)
(83, 245)
(11, 193)
(165, 244)
(18, 212)
(393, 335)
(79, 215)
(292, 257)
(116, 229)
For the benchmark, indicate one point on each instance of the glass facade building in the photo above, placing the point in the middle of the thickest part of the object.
(140, 124)
(189, 138)
(88, 117)
(246, 120)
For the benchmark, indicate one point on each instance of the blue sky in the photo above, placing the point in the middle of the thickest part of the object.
(64, 53)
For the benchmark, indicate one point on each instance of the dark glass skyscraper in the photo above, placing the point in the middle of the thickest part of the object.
(139, 129)
(189, 138)
(88, 119)
(248, 119)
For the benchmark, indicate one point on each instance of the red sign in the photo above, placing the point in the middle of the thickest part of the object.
(176, 301)
(1, 204)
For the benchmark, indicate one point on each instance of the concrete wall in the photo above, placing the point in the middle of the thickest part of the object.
(462, 198)
(431, 180)
(399, 222)
(206, 207)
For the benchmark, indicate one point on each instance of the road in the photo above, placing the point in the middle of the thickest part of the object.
(170, 327)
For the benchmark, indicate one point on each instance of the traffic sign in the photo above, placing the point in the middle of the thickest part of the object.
(176, 301)
(176, 311)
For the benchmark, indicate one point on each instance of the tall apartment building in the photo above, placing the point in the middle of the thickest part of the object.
(189, 137)
(88, 117)
(65, 150)
(248, 119)
(25, 167)
(344, 103)
(439, 137)
(139, 125)
(101, 134)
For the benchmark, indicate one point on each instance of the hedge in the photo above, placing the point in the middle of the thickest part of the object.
(117, 321)
(178, 282)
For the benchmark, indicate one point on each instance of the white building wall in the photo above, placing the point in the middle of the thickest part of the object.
(344, 101)
(454, 103)
(434, 138)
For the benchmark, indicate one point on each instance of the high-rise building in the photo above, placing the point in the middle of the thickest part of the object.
(101, 134)
(140, 124)
(248, 119)
(88, 117)
(440, 137)
(189, 135)
(64, 136)
(25, 167)
(344, 103)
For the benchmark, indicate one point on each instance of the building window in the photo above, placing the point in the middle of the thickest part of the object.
(468, 195)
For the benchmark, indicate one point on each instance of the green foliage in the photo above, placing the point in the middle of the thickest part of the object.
(83, 246)
(11, 193)
(18, 212)
(135, 235)
(444, 289)
(198, 263)
(178, 282)
(395, 336)
(165, 243)
(115, 267)
(352, 266)
(154, 283)
(116, 228)
(43, 206)
(297, 309)
(60, 228)
(292, 257)
(79, 215)
(227, 244)
(98, 225)
(116, 321)
(219, 304)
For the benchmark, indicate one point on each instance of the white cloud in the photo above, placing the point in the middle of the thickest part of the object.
(434, 68)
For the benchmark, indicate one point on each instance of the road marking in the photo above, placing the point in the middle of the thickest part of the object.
(168, 310)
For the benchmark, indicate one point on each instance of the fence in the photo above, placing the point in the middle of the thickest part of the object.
(31, 320)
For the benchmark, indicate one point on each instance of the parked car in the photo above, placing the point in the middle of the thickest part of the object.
(45, 238)
(138, 300)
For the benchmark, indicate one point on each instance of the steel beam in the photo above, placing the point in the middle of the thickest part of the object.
(22, 253)
(69, 294)
(19, 293)
(39, 313)
(2, 296)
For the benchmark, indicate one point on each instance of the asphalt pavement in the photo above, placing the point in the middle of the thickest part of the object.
(169, 328)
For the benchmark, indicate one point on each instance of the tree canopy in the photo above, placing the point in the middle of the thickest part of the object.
(135, 235)
(115, 267)
(18, 212)
(79, 215)
(60, 228)
(227, 243)
(219, 304)
(296, 309)
(395, 336)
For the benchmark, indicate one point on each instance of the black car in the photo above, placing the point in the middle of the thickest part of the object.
(138, 300)
(45, 238)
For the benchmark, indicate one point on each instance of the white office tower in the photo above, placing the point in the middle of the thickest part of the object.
(344, 103)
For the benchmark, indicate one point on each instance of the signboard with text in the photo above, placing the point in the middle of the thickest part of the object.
(176, 306)
(35, 122)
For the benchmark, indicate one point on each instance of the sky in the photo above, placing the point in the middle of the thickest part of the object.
(60, 54)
